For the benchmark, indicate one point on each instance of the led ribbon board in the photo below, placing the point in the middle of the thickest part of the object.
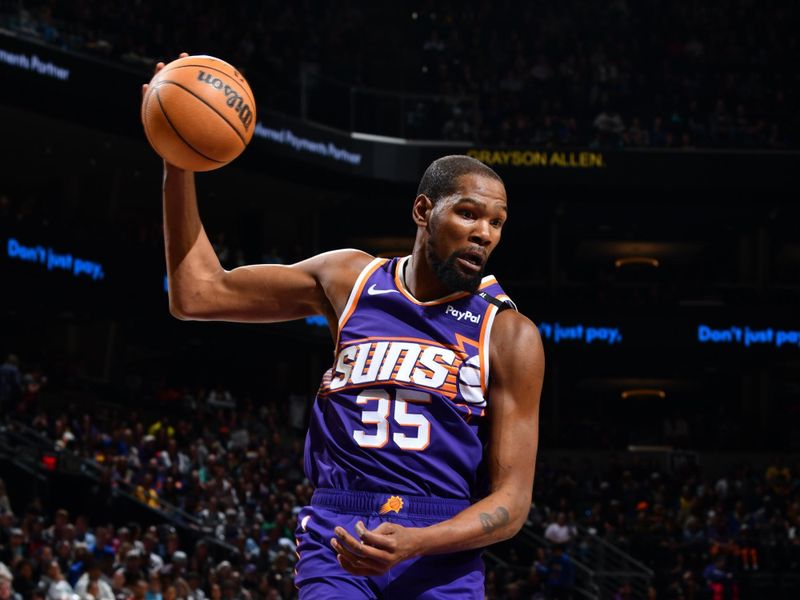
(580, 332)
(52, 260)
(748, 337)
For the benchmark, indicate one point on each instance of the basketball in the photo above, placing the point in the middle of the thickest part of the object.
(198, 113)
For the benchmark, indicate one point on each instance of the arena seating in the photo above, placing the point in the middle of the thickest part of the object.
(717, 75)
(238, 472)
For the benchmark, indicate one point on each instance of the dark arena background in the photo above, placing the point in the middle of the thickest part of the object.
(649, 151)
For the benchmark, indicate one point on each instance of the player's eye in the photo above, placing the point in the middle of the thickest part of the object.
(467, 214)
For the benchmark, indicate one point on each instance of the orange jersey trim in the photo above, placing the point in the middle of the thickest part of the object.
(483, 351)
(355, 295)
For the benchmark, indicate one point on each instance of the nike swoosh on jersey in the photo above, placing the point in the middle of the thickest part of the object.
(373, 292)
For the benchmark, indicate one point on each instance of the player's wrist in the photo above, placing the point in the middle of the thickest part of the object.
(425, 540)
(173, 169)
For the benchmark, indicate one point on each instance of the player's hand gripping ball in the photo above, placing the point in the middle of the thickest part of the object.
(198, 113)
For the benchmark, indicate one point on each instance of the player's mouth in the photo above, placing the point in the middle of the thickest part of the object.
(471, 260)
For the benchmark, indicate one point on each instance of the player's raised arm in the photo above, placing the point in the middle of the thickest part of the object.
(517, 367)
(200, 289)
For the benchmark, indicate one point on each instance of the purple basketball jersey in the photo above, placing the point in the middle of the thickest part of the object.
(404, 407)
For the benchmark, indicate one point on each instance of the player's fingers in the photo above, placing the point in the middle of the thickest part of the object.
(359, 561)
(376, 540)
(348, 540)
(362, 551)
(357, 567)
(144, 89)
(159, 66)
(183, 55)
(357, 547)
(345, 550)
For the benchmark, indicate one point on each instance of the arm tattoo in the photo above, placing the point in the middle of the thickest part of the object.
(494, 521)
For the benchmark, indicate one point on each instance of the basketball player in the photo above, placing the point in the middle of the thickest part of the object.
(424, 433)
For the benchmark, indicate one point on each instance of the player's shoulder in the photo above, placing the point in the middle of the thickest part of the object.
(337, 270)
(513, 332)
(345, 259)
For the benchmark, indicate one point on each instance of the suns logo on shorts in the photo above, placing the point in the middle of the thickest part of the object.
(393, 504)
(400, 362)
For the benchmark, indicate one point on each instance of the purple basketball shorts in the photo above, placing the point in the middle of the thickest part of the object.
(320, 577)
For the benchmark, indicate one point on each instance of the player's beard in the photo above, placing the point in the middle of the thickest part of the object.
(449, 274)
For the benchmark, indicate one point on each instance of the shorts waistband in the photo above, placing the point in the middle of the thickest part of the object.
(384, 504)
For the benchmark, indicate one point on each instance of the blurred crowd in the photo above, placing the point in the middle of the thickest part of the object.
(703, 536)
(235, 468)
(48, 555)
(617, 74)
(225, 468)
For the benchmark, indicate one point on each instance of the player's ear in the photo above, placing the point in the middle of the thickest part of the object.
(422, 210)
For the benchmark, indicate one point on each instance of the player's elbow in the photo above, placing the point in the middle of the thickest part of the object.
(176, 311)
(517, 509)
(183, 308)
(515, 523)
(192, 312)
(192, 300)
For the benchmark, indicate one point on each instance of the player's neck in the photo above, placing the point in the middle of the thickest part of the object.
(420, 280)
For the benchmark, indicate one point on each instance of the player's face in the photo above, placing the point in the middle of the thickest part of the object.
(464, 230)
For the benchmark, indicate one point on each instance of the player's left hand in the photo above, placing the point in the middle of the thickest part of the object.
(376, 551)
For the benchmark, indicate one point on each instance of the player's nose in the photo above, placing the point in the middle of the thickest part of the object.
(481, 233)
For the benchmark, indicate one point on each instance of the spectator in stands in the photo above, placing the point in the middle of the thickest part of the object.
(149, 551)
(219, 397)
(5, 501)
(609, 127)
(58, 587)
(25, 580)
(118, 587)
(154, 587)
(82, 533)
(177, 566)
(138, 590)
(560, 574)
(32, 383)
(559, 531)
(6, 578)
(56, 530)
(719, 580)
(133, 568)
(92, 583)
(10, 383)
(195, 591)
(14, 550)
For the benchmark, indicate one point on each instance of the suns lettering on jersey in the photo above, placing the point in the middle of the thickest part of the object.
(398, 362)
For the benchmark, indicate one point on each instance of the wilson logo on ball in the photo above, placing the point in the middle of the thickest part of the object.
(234, 100)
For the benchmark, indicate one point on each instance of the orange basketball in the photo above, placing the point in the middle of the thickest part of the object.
(199, 113)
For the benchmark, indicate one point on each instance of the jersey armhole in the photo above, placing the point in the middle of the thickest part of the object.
(501, 302)
(355, 294)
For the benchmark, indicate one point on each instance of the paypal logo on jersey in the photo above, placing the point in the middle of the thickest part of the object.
(462, 315)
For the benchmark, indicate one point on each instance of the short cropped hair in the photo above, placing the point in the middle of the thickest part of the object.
(441, 177)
